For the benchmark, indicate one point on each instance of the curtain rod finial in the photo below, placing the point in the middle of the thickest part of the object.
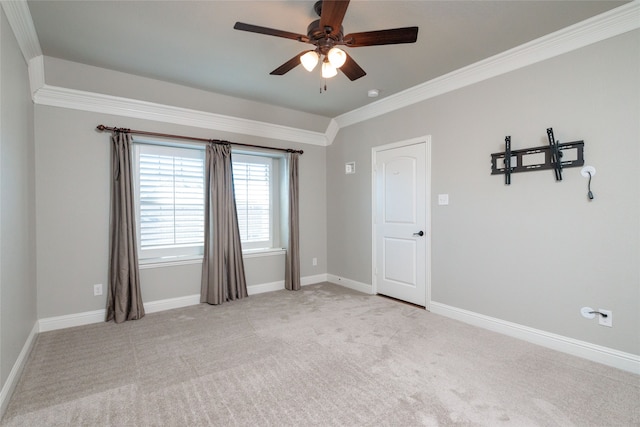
(101, 127)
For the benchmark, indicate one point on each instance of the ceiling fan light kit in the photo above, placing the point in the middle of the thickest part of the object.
(337, 57)
(328, 70)
(326, 34)
(309, 60)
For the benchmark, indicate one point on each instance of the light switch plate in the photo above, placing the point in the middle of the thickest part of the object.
(443, 199)
(350, 167)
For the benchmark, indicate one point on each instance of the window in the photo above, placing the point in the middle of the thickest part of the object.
(169, 195)
(170, 201)
(253, 182)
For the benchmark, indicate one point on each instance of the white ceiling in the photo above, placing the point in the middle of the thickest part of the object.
(193, 42)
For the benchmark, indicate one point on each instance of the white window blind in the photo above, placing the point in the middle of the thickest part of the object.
(170, 193)
(253, 183)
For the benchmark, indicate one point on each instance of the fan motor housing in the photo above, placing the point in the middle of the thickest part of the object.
(323, 38)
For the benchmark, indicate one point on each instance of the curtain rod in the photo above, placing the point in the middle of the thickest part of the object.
(103, 128)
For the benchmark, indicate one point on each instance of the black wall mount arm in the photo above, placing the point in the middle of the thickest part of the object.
(538, 158)
(507, 160)
(556, 154)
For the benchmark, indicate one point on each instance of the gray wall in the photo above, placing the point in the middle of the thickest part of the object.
(17, 243)
(72, 218)
(534, 252)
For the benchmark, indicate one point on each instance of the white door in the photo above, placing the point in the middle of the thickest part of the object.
(400, 222)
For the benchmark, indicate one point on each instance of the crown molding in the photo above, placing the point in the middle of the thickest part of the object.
(21, 23)
(36, 74)
(601, 27)
(99, 103)
(609, 24)
(332, 131)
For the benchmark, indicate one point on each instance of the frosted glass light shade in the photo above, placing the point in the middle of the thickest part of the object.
(309, 60)
(328, 70)
(337, 57)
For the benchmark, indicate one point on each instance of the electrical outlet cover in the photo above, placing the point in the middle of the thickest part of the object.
(606, 321)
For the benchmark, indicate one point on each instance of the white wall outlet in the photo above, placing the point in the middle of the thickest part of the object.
(314, 261)
(605, 321)
(97, 290)
(443, 199)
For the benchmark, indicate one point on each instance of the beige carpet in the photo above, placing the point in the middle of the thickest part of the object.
(324, 355)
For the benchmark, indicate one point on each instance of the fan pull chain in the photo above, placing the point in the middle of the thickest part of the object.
(325, 85)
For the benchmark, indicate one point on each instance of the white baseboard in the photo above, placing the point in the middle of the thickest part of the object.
(97, 316)
(312, 280)
(351, 284)
(279, 285)
(265, 287)
(71, 320)
(607, 356)
(596, 353)
(171, 303)
(12, 380)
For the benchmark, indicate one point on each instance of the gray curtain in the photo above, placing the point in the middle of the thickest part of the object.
(223, 276)
(292, 261)
(124, 301)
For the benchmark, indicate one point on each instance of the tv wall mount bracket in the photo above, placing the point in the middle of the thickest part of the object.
(554, 156)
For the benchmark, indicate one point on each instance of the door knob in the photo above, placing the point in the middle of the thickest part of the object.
(419, 233)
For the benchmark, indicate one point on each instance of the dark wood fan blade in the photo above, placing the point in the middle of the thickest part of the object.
(376, 38)
(332, 14)
(352, 70)
(270, 32)
(288, 66)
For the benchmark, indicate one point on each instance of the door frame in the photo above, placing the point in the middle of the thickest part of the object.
(374, 151)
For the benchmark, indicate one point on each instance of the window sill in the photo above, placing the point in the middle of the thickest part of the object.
(171, 262)
(257, 253)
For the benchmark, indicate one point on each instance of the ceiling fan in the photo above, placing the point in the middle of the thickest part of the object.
(326, 34)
